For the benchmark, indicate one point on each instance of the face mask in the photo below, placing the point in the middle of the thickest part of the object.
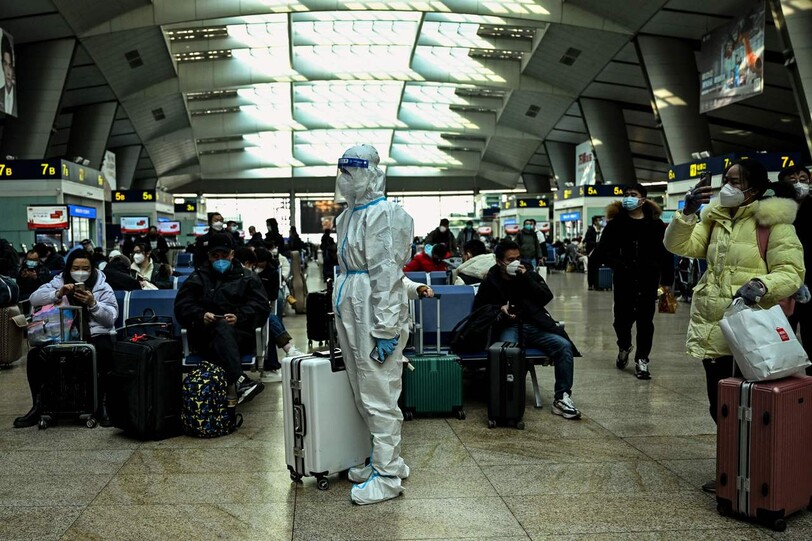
(528, 227)
(257, 270)
(231, 229)
(443, 229)
(513, 267)
(730, 196)
(31, 264)
(802, 190)
(631, 203)
(469, 227)
(80, 276)
(352, 189)
(217, 226)
(270, 229)
(221, 265)
(138, 258)
(275, 252)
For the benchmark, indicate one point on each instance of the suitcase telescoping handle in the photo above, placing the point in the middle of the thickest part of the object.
(437, 297)
(336, 360)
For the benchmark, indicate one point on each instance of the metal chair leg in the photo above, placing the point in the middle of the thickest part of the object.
(536, 391)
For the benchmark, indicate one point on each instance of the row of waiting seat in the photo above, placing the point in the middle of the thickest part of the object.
(456, 303)
(433, 278)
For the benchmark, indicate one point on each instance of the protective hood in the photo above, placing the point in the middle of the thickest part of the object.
(360, 180)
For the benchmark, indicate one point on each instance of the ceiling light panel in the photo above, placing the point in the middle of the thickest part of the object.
(452, 34)
(453, 63)
(275, 148)
(347, 104)
(422, 155)
(355, 28)
(347, 62)
(269, 33)
(432, 93)
(325, 147)
(418, 137)
(428, 116)
(269, 63)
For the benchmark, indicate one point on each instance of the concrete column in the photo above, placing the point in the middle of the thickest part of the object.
(670, 67)
(794, 25)
(90, 131)
(610, 141)
(41, 72)
(562, 160)
(126, 164)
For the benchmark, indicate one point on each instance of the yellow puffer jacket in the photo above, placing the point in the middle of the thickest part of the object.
(731, 249)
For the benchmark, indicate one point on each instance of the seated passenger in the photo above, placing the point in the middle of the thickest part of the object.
(430, 260)
(216, 227)
(148, 270)
(221, 304)
(48, 256)
(278, 336)
(521, 295)
(118, 274)
(99, 309)
(476, 263)
(32, 274)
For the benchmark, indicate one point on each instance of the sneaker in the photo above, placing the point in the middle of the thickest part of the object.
(293, 352)
(247, 389)
(622, 358)
(565, 408)
(270, 376)
(641, 369)
(710, 487)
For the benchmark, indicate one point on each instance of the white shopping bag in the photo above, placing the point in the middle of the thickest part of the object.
(542, 270)
(762, 341)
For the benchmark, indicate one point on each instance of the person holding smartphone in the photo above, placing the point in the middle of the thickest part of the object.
(78, 285)
(726, 234)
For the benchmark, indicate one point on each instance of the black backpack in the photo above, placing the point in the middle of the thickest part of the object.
(473, 333)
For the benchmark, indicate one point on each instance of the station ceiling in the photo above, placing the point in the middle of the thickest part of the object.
(261, 96)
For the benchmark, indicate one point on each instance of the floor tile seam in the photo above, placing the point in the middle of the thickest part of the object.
(293, 513)
(87, 506)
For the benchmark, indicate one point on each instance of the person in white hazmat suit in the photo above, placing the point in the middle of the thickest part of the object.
(374, 243)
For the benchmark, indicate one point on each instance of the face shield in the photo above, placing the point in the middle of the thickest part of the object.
(352, 179)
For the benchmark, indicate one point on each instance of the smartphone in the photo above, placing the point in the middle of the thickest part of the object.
(375, 357)
(79, 286)
(219, 317)
(704, 180)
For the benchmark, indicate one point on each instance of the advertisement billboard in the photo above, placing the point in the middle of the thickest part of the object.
(585, 165)
(131, 225)
(200, 230)
(8, 93)
(731, 62)
(169, 229)
(319, 215)
(48, 217)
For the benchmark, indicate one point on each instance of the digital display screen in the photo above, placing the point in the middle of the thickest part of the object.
(169, 228)
(48, 217)
(8, 96)
(201, 230)
(134, 224)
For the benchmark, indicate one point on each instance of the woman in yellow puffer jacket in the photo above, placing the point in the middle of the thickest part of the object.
(726, 235)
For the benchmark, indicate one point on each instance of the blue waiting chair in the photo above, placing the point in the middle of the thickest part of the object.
(419, 277)
(184, 260)
(251, 361)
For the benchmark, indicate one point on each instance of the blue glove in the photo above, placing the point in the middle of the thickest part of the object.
(802, 295)
(751, 292)
(386, 346)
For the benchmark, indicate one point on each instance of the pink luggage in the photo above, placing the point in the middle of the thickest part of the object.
(764, 441)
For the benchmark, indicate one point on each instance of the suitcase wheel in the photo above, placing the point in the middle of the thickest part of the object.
(322, 483)
(91, 423)
(295, 477)
(491, 423)
(724, 508)
(779, 525)
(43, 424)
(461, 414)
(408, 415)
(520, 425)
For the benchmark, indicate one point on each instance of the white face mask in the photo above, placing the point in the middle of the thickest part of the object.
(138, 258)
(513, 267)
(270, 229)
(80, 276)
(275, 252)
(257, 270)
(730, 196)
(217, 226)
(443, 229)
(801, 190)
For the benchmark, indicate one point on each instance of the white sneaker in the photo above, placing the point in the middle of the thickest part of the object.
(270, 376)
(293, 352)
(565, 408)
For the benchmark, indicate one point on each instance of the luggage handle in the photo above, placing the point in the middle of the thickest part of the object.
(438, 348)
(336, 360)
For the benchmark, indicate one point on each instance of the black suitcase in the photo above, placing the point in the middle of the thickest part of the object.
(70, 389)
(144, 388)
(507, 368)
(319, 305)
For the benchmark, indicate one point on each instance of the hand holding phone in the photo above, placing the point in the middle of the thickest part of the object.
(79, 286)
(700, 195)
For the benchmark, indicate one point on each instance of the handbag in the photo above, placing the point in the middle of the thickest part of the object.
(762, 341)
(150, 324)
(54, 324)
(667, 303)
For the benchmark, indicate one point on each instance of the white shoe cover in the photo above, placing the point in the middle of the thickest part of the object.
(376, 489)
(360, 473)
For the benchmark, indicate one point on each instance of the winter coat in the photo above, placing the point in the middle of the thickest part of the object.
(152, 274)
(731, 249)
(119, 277)
(803, 228)
(474, 270)
(238, 291)
(102, 316)
(159, 249)
(528, 292)
(423, 263)
(590, 239)
(634, 249)
(447, 238)
(529, 246)
(466, 235)
(29, 285)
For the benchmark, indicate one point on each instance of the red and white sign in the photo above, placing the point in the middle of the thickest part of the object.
(133, 225)
(485, 230)
(511, 229)
(169, 228)
(48, 217)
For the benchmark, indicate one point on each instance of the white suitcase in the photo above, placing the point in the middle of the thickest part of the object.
(324, 433)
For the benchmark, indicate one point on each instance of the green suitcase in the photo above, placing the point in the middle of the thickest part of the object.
(433, 382)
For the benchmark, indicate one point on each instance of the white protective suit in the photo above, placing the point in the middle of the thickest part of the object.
(374, 240)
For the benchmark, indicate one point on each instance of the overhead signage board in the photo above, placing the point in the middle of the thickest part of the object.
(570, 217)
(47, 217)
(525, 203)
(716, 165)
(731, 61)
(82, 212)
(49, 170)
(585, 164)
(598, 190)
(134, 196)
(188, 205)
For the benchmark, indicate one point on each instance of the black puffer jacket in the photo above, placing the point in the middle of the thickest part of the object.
(635, 250)
(237, 291)
(528, 292)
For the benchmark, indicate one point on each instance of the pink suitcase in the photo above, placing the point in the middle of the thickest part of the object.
(764, 441)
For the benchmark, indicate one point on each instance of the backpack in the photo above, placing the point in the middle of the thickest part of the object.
(473, 333)
(763, 237)
(205, 403)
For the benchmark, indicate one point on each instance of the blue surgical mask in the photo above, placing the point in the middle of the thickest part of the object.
(630, 203)
(31, 264)
(221, 265)
(528, 227)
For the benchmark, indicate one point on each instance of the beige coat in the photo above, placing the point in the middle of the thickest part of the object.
(731, 249)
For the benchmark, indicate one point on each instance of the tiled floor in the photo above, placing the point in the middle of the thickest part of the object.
(629, 470)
